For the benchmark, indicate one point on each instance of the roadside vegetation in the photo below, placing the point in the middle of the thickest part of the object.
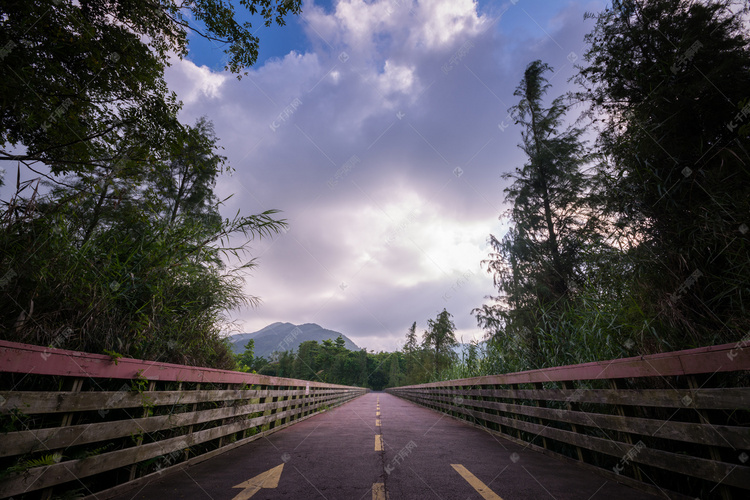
(634, 241)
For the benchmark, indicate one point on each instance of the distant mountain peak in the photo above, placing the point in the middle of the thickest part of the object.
(286, 337)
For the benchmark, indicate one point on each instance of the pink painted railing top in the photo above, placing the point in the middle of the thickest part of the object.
(721, 358)
(37, 360)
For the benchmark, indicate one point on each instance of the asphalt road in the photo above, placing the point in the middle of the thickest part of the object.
(379, 446)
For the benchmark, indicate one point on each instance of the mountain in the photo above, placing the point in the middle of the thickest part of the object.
(285, 337)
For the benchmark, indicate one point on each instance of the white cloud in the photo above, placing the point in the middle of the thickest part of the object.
(396, 78)
(398, 227)
(193, 83)
(442, 23)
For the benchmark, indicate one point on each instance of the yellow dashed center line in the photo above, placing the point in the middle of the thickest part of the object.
(378, 442)
(377, 422)
(378, 491)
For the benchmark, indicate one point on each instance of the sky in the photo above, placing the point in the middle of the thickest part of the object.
(380, 129)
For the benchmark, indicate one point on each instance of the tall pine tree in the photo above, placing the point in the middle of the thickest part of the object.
(538, 262)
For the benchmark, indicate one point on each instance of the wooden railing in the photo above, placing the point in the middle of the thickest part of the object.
(671, 424)
(73, 422)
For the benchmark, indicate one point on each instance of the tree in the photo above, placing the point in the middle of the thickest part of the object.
(411, 345)
(364, 372)
(130, 227)
(394, 372)
(669, 82)
(306, 362)
(99, 259)
(81, 76)
(440, 338)
(540, 259)
(414, 368)
(246, 360)
(183, 186)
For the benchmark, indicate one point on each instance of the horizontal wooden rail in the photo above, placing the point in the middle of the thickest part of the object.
(713, 359)
(672, 423)
(81, 422)
(25, 358)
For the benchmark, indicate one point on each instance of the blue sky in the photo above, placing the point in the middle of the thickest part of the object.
(381, 131)
(277, 41)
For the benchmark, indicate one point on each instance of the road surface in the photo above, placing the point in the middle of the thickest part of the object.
(380, 446)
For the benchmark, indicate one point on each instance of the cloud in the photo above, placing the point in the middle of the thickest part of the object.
(383, 143)
(193, 83)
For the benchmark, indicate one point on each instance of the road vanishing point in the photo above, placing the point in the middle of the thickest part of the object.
(379, 447)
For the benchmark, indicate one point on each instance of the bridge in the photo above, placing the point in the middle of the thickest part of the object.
(672, 425)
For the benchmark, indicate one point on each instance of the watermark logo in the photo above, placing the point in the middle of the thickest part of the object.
(57, 342)
(739, 118)
(57, 113)
(689, 282)
(744, 342)
(114, 399)
(7, 49)
(502, 125)
(7, 277)
(629, 457)
(289, 339)
(394, 234)
(462, 52)
(576, 396)
(170, 459)
(344, 170)
(681, 63)
(285, 114)
(400, 457)
(460, 282)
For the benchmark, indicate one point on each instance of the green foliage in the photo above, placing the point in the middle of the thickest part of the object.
(542, 259)
(84, 81)
(647, 251)
(24, 464)
(439, 340)
(331, 362)
(98, 266)
(247, 362)
(668, 78)
(112, 354)
(125, 251)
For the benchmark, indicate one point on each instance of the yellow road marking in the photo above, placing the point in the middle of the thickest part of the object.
(475, 483)
(378, 442)
(377, 422)
(268, 479)
(377, 413)
(378, 491)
